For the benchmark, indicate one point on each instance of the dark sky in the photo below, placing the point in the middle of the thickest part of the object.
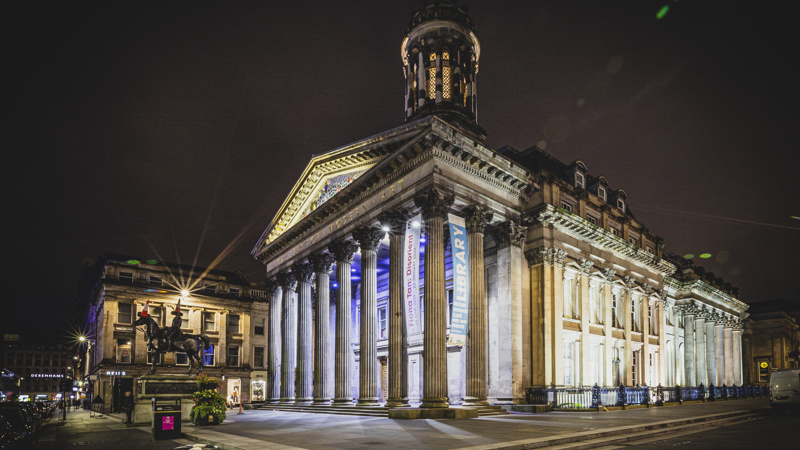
(175, 132)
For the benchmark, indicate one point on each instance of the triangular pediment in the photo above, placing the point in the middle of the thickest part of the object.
(327, 174)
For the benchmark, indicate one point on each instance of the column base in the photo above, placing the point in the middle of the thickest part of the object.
(345, 401)
(475, 401)
(322, 401)
(303, 401)
(434, 403)
(368, 401)
(397, 403)
(287, 401)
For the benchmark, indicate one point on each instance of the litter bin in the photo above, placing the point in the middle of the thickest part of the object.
(166, 418)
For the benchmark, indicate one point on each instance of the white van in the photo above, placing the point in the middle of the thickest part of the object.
(784, 389)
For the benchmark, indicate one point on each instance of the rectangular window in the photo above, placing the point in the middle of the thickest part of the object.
(236, 291)
(633, 314)
(592, 220)
(185, 319)
(233, 323)
(259, 326)
(151, 356)
(124, 351)
(632, 240)
(181, 359)
(382, 323)
(210, 288)
(124, 312)
(650, 250)
(156, 314)
(566, 206)
(614, 310)
(258, 356)
(449, 306)
(568, 364)
(209, 323)
(614, 231)
(621, 205)
(208, 356)
(156, 281)
(601, 192)
(233, 356)
(126, 276)
(579, 180)
(446, 82)
(634, 365)
(432, 83)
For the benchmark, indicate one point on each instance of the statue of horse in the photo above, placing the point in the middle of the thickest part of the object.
(157, 344)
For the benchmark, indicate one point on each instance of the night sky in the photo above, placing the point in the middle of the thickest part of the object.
(175, 131)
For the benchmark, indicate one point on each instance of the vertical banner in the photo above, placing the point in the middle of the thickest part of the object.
(411, 276)
(460, 255)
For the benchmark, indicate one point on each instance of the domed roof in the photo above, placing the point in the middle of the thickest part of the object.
(441, 10)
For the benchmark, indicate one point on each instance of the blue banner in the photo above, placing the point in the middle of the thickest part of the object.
(460, 255)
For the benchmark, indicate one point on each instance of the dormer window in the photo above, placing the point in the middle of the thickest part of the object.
(601, 192)
(621, 204)
(580, 180)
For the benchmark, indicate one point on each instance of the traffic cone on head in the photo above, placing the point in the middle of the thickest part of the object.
(177, 307)
(145, 311)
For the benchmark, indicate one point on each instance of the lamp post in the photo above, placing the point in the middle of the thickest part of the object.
(87, 367)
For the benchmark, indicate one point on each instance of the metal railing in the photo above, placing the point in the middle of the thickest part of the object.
(596, 397)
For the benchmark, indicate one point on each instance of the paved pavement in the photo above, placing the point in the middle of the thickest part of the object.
(258, 429)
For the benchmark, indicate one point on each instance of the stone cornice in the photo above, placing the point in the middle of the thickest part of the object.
(581, 229)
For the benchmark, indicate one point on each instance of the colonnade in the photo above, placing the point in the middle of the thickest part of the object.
(712, 348)
(290, 349)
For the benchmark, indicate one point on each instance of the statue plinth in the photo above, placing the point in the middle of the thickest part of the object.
(151, 387)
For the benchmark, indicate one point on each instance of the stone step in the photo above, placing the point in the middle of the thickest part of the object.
(373, 411)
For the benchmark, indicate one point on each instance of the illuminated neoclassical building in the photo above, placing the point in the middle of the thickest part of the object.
(420, 265)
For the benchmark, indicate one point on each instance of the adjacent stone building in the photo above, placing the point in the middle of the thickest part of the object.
(566, 286)
(217, 303)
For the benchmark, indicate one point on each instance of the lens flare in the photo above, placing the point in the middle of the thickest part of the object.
(662, 12)
(705, 255)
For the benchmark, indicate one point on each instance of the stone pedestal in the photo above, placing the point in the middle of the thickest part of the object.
(158, 386)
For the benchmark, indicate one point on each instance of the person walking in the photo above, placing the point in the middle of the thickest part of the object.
(127, 406)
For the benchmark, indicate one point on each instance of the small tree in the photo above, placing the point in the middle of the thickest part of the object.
(209, 406)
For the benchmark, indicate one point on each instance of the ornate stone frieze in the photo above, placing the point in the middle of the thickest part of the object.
(343, 250)
(476, 218)
(369, 238)
(321, 261)
(574, 226)
(553, 255)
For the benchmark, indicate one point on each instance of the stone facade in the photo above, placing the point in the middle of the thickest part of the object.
(219, 304)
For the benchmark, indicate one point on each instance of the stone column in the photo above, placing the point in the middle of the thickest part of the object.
(737, 354)
(509, 237)
(477, 332)
(584, 315)
(369, 239)
(288, 281)
(711, 362)
(343, 252)
(434, 204)
(728, 353)
(719, 360)
(700, 348)
(395, 223)
(305, 349)
(322, 263)
(274, 348)
(630, 326)
(688, 346)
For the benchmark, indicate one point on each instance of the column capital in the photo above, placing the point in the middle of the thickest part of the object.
(321, 261)
(586, 265)
(368, 238)
(476, 218)
(343, 250)
(433, 202)
(509, 233)
(552, 255)
(629, 281)
(271, 285)
(395, 220)
(287, 280)
(303, 272)
(608, 274)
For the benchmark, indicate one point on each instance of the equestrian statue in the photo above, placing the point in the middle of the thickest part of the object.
(160, 341)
